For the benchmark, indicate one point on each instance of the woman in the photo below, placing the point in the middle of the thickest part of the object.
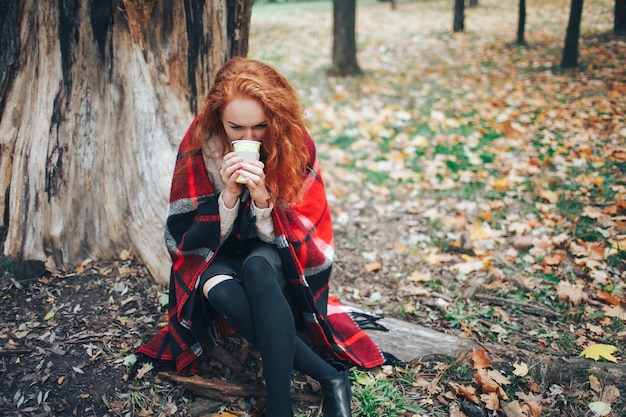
(257, 255)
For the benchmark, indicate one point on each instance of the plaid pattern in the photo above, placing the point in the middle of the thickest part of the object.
(305, 243)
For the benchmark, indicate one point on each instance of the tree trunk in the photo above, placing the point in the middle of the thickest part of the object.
(472, 3)
(521, 23)
(96, 95)
(620, 17)
(458, 24)
(344, 39)
(570, 51)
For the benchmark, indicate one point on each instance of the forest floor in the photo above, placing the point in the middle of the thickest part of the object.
(477, 190)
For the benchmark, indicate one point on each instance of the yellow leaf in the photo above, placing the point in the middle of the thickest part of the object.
(598, 351)
(49, 315)
(501, 184)
(520, 369)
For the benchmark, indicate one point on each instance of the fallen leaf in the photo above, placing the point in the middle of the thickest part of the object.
(145, 368)
(124, 255)
(599, 408)
(610, 394)
(598, 351)
(513, 409)
(491, 401)
(520, 369)
(614, 311)
(551, 197)
(468, 392)
(609, 298)
(373, 266)
(498, 377)
(49, 315)
(594, 383)
(420, 276)
(571, 293)
(480, 360)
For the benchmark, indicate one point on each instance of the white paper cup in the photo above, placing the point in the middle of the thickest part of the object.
(249, 150)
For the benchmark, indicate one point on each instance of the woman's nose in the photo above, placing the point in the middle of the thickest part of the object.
(248, 134)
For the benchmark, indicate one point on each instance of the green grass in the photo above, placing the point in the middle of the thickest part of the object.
(377, 397)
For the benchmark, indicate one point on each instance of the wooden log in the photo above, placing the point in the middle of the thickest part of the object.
(408, 341)
(228, 391)
(560, 370)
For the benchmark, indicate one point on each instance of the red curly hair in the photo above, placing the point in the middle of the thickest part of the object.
(283, 149)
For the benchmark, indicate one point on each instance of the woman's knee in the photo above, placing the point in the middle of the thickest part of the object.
(258, 271)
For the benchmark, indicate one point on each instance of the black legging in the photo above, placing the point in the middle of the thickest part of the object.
(259, 311)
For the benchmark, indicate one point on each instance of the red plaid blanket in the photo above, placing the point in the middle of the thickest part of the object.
(305, 242)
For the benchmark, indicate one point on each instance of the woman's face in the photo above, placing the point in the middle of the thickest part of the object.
(244, 118)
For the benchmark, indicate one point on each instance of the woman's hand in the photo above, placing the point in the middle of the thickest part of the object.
(255, 180)
(254, 174)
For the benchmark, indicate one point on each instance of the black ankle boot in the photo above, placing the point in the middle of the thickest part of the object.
(337, 395)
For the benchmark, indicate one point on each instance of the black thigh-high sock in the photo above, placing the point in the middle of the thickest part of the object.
(274, 329)
(230, 300)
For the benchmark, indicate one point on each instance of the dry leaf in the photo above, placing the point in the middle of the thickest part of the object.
(468, 392)
(571, 293)
(610, 394)
(498, 377)
(615, 312)
(594, 383)
(491, 401)
(455, 411)
(419, 276)
(480, 360)
(145, 368)
(373, 266)
(551, 197)
(513, 409)
(487, 384)
(609, 298)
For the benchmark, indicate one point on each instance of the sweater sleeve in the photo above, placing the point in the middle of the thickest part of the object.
(227, 217)
(264, 224)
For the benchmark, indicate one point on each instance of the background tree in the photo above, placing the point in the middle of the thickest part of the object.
(570, 51)
(96, 95)
(458, 24)
(344, 61)
(472, 3)
(521, 22)
(620, 17)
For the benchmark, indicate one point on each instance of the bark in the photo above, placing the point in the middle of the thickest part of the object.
(472, 3)
(408, 341)
(458, 24)
(96, 95)
(570, 51)
(565, 371)
(344, 60)
(521, 23)
(620, 17)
